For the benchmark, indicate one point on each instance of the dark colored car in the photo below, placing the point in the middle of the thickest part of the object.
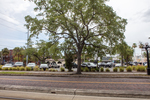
(110, 64)
(102, 64)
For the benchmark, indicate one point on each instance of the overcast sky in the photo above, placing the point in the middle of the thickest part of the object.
(14, 34)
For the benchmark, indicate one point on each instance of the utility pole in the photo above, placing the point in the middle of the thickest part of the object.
(1, 57)
(27, 46)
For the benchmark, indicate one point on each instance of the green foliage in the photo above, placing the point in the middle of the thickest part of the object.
(86, 69)
(107, 70)
(18, 68)
(93, 70)
(115, 69)
(14, 68)
(17, 51)
(0, 67)
(140, 69)
(28, 69)
(133, 67)
(5, 68)
(129, 69)
(52, 70)
(82, 69)
(36, 68)
(121, 69)
(21, 68)
(12, 73)
(75, 20)
(62, 69)
(97, 69)
(102, 69)
(10, 68)
(68, 60)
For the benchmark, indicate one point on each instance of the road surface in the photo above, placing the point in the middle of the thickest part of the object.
(79, 83)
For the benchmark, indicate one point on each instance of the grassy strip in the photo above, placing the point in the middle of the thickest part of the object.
(13, 73)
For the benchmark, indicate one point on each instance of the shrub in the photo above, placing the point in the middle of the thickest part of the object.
(10, 68)
(14, 68)
(97, 69)
(102, 69)
(21, 68)
(115, 69)
(62, 69)
(0, 68)
(82, 69)
(5, 68)
(129, 69)
(133, 67)
(86, 69)
(121, 69)
(36, 68)
(92, 69)
(28, 68)
(18, 68)
(141, 69)
(107, 70)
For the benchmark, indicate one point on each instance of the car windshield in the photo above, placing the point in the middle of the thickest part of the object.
(31, 64)
(8, 64)
(43, 64)
(92, 64)
(19, 63)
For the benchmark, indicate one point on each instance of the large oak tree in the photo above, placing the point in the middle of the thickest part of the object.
(82, 21)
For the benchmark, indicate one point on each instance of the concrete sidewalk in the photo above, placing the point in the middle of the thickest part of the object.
(81, 92)
(17, 95)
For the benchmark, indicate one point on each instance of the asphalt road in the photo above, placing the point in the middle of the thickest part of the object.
(79, 83)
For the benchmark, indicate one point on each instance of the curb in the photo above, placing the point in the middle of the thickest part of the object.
(83, 92)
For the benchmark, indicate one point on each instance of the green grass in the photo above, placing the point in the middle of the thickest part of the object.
(13, 72)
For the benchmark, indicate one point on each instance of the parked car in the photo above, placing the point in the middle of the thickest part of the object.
(110, 64)
(118, 65)
(102, 64)
(18, 64)
(54, 65)
(32, 65)
(44, 66)
(74, 65)
(88, 64)
(7, 65)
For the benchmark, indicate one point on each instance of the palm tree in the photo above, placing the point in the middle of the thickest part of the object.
(141, 46)
(134, 46)
(5, 52)
(17, 52)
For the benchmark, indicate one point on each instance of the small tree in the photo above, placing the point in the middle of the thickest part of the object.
(68, 60)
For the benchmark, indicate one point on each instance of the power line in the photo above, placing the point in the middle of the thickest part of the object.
(10, 22)
(10, 27)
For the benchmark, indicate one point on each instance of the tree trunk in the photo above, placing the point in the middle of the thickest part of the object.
(79, 62)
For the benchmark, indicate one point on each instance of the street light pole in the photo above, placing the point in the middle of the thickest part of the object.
(27, 47)
(148, 68)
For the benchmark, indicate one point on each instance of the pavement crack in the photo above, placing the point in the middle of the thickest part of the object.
(74, 94)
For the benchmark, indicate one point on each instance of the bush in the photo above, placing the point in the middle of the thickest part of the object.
(5, 68)
(86, 69)
(21, 68)
(82, 69)
(115, 69)
(97, 69)
(10, 68)
(0, 68)
(28, 68)
(36, 68)
(140, 69)
(102, 69)
(14, 68)
(107, 70)
(121, 69)
(93, 70)
(133, 67)
(18, 68)
(62, 69)
(129, 69)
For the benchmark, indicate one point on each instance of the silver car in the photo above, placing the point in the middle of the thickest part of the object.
(32, 65)
(7, 65)
(44, 66)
